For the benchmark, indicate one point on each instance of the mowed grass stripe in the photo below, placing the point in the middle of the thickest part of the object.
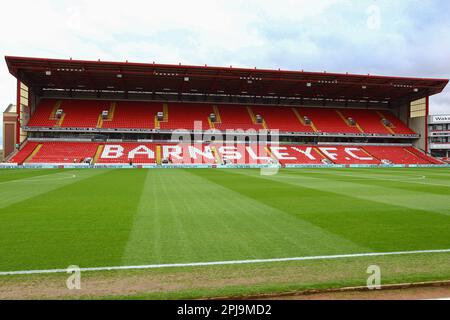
(418, 177)
(390, 191)
(224, 179)
(407, 182)
(86, 223)
(262, 219)
(160, 209)
(288, 230)
(37, 184)
(7, 175)
(205, 221)
(431, 171)
(120, 217)
(385, 173)
(438, 176)
(356, 212)
(157, 223)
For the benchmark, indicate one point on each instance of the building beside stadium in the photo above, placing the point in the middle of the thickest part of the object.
(9, 130)
(97, 113)
(439, 136)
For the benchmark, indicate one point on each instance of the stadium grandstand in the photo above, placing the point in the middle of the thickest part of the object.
(96, 113)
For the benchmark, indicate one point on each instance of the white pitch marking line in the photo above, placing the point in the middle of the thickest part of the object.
(219, 263)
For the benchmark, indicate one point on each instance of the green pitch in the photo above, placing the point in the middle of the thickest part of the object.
(95, 218)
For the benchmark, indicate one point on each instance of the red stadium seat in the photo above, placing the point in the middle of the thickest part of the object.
(82, 113)
(42, 115)
(64, 152)
(368, 120)
(184, 115)
(236, 117)
(398, 126)
(24, 153)
(396, 155)
(328, 120)
(141, 115)
(283, 119)
(423, 156)
(133, 115)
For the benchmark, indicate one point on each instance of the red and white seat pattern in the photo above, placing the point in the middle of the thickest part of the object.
(215, 153)
(126, 152)
(348, 155)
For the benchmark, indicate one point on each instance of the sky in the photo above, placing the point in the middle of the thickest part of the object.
(383, 37)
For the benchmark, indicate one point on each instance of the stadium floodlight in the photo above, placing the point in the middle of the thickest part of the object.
(309, 84)
(48, 73)
(186, 79)
(119, 75)
(416, 90)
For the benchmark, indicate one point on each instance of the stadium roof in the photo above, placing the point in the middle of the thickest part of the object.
(99, 75)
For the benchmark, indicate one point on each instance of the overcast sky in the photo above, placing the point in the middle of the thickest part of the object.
(400, 37)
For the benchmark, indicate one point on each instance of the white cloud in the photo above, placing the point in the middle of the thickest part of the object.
(330, 35)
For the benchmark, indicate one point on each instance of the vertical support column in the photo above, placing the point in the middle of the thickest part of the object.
(18, 110)
(408, 116)
(427, 113)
